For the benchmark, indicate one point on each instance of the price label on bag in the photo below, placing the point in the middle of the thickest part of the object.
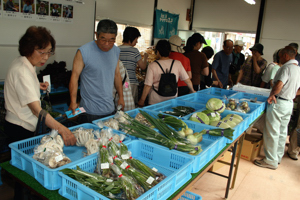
(150, 180)
(213, 114)
(154, 169)
(123, 165)
(109, 180)
(58, 158)
(104, 165)
(124, 157)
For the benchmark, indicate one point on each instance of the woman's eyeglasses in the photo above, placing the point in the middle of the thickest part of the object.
(43, 54)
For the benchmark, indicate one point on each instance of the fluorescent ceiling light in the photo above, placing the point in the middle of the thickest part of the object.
(252, 2)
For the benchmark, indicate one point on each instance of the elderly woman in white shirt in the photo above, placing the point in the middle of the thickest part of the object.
(22, 88)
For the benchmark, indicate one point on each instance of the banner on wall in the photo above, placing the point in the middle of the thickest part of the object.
(166, 24)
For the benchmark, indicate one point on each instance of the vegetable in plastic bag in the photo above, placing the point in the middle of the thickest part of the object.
(216, 105)
(200, 117)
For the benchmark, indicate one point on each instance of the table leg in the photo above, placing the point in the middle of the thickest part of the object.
(230, 170)
(241, 141)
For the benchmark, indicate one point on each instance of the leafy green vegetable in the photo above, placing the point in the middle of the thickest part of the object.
(216, 105)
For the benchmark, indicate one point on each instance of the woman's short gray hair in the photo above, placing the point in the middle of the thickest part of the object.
(107, 26)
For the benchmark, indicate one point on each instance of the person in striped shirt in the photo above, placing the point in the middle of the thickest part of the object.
(131, 58)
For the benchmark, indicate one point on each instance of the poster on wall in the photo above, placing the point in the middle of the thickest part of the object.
(28, 9)
(68, 13)
(55, 12)
(0, 8)
(11, 8)
(166, 24)
(42, 10)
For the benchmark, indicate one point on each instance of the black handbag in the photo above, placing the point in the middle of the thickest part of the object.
(41, 123)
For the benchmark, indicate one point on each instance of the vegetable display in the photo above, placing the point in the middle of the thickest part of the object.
(167, 137)
(117, 178)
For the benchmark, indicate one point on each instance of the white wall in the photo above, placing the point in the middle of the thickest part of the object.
(133, 12)
(140, 12)
(176, 7)
(68, 36)
(229, 15)
(280, 25)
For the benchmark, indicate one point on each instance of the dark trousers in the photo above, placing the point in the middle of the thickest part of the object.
(88, 118)
(16, 133)
(183, 90)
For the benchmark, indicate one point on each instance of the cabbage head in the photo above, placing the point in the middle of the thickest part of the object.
(216, 105)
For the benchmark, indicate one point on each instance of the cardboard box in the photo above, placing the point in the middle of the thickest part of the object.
(251, 146)
(226, 158)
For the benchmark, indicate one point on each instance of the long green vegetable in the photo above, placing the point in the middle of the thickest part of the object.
(227, 132)
(94, 181)
(177, 124)
(145, 181)
(138, 130)
(145, 169)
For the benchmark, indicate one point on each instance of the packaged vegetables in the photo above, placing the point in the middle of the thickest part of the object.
(117, 178)
(50, 151)
(236, 105)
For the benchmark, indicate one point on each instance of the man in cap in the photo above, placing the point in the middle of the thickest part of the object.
(238, 60)
(252, 70)
(177, 54)
(280, 108)
(221, 63)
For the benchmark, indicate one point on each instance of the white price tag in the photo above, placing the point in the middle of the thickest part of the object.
(125, 157)
(154, 169)
(213, 114)
(150, 180)
(109, 180)
(58, 158)
(46, 78)
(104, 165)
(194, 115)
(123, 165)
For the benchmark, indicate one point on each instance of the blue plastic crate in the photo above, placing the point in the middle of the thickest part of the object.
(168, 105)
(199, 98)
(175, 166)
(22, 152)
(190, 196)
(218, 92)
(210, 145)
(61, 108)
(242, 96)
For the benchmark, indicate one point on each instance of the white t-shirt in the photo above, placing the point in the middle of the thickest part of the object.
(21, 87)
(288, 74)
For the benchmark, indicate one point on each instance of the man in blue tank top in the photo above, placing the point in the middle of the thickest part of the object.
(96, 63)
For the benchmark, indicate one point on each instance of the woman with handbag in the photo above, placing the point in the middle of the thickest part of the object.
(22, 88)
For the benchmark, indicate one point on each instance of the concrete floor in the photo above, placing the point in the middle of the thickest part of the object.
(252, 183)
